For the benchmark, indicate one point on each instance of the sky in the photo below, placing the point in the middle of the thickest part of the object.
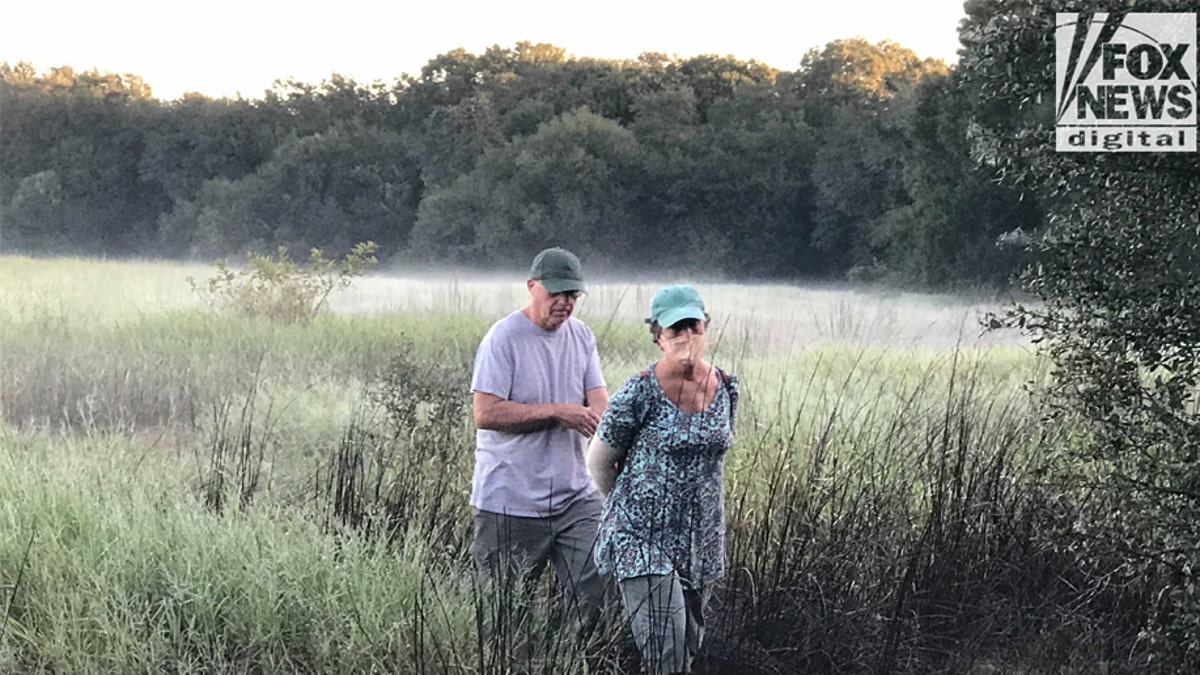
(230, 47)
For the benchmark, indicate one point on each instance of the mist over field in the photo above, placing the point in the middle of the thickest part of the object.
(779, 317)
(775, 316)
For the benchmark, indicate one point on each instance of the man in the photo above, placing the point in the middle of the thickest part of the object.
(538, 396)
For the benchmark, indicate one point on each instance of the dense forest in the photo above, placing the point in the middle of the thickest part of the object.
(856, 165)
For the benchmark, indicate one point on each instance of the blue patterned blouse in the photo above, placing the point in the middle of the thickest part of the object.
(666, 511)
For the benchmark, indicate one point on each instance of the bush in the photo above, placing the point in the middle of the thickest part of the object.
(276, 287)
(1117, 312)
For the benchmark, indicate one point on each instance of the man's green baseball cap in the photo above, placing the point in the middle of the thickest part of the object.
(558, 269)
(672, 304)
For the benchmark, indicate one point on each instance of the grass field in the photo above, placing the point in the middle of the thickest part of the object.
(183, 490)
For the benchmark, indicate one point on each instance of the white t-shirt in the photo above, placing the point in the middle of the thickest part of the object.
(540, 473)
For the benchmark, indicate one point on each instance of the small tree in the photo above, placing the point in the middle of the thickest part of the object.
(1119, 282)
(276, 287)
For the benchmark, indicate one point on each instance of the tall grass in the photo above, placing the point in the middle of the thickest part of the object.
(129, 573)
(906, 531)
(187, 492)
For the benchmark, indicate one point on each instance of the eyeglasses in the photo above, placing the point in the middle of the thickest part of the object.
(695, 325)
(569, 295)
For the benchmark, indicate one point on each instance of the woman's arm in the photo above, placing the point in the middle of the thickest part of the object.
(618, 429)
(602, 461)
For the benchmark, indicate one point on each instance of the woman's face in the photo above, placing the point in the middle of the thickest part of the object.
(683, 342)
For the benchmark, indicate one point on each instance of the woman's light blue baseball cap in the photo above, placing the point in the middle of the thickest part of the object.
(675, 303)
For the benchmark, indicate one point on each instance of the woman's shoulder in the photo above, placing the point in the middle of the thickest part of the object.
(638, 385)
(727, 378)
(641, 377)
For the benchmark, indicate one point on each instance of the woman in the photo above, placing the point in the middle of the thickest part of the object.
(658, 455)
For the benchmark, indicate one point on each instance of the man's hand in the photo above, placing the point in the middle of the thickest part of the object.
(578, 418)
(493, 412)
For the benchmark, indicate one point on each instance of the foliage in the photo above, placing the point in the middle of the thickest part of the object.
(954, 229)
(326, 190)
(196, 140)
(34, 214)
(1119, 313)
(858, 98)
(706, 162)
(565, 183)
(85, 129)
(277, 288)
(389, 480)
(849, 71)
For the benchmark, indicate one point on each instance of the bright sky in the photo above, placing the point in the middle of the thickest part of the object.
(226, 47)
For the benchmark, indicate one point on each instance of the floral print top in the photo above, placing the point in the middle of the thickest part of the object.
(666, 511)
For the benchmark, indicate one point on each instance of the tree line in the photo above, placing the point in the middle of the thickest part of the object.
(859, 164)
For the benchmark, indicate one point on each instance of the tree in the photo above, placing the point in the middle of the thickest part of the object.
(305, 109)
(953, 230)
(329, 190)
(859, 182)
(33, 218)
(87, 128)
(454, 137)
(198, 139)
(445, 81)
(1119, 283)
(713, 77)
(857, 97)
(743, 193)
(844, 71)
(569, 183)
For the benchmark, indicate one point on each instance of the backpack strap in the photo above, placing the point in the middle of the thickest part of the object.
(730, 384)
(726, 378)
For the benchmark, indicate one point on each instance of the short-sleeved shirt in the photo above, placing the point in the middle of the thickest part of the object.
(538, 473)
(666, 511)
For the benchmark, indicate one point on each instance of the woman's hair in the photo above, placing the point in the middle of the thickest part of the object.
(656, 330)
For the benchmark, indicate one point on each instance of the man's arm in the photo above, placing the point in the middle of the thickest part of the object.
(596, 399)
(499, 414)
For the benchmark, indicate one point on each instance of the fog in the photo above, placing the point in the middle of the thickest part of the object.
(775, 316)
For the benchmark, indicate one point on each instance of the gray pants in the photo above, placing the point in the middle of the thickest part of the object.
(667, 618)
(505, 544)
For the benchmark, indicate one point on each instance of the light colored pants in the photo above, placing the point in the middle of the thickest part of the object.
(667, 618)
(505, 544)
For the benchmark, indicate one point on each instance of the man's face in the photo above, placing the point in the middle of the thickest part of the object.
(549, 310)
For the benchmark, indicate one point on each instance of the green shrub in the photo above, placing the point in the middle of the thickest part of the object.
(278, 288)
